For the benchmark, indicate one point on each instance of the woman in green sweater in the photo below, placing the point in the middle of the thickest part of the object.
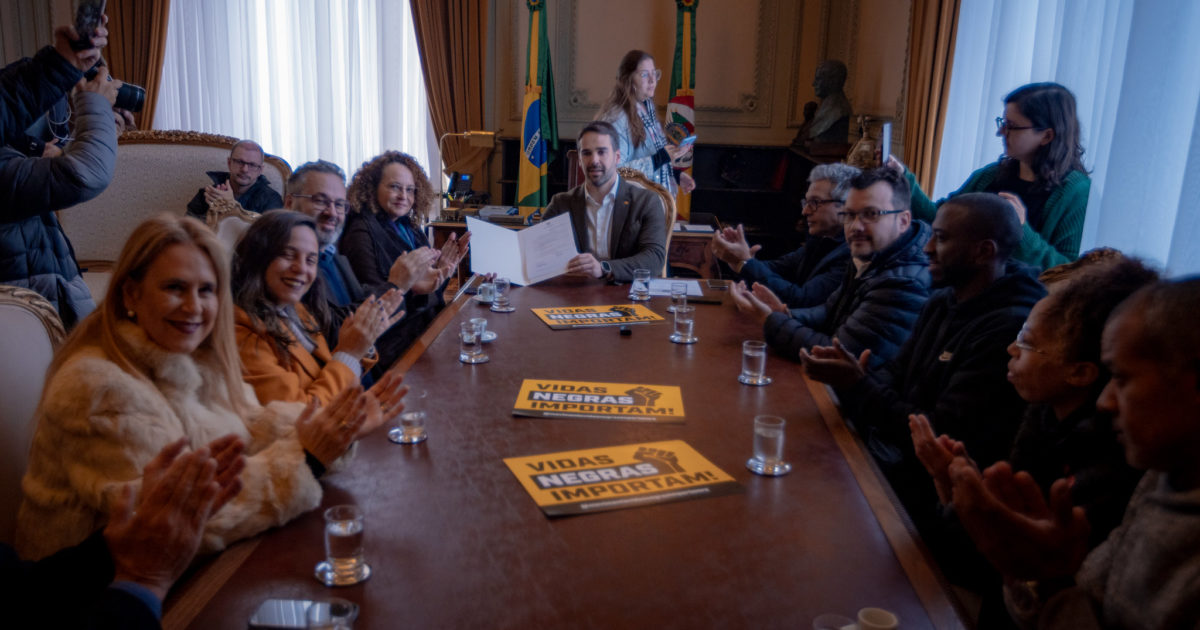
(1041, 174)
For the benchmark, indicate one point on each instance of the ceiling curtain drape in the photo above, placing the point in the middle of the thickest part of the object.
(935, 23)
(452, 38)
(137, 44)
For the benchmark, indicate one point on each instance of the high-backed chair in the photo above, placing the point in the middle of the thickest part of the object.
(29, 331)
(157, 171)
(636, 177)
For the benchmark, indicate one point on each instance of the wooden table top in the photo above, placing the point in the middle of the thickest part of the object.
(455, 542)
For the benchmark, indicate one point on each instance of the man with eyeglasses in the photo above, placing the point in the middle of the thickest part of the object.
(952, 369)
(243, 184)
(880, 294)
(808, 275)
(318, 189)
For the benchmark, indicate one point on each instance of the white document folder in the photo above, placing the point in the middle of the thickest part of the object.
(523, 256)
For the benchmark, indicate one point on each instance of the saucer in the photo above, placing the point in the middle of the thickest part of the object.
(326, 575)
(488, 336)
(759, 467)
(480, 299)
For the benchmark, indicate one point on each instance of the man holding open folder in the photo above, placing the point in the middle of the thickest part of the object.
(619, 226)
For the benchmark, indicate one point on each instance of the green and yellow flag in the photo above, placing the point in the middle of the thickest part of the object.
(539, 135)
(681, 109)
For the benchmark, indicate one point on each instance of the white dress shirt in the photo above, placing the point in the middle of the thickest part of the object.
(599, 219)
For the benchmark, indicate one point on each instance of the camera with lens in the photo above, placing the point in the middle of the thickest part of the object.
(88, 14)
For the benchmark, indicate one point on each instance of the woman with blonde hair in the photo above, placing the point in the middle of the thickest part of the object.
(155, 363)
(630, 108)
(384, 240)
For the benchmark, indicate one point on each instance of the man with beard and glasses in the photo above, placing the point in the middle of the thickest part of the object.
(619, 226)
(243, 185)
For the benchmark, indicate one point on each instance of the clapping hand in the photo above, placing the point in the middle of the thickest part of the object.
(453, 251)
(212, 194)
(1013, 526)
(768, 297)
(729, 244)
(153, 545)
(835, 365)
(370, 320)
(748, 303)
(413, 269)
(936, 452)
(327, 433)
(385, 401)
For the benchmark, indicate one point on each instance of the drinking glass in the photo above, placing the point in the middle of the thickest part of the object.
(500, 303)
(678, 296)
(685, 317)
(470, 348)
(754, 364)
(410, 426)
(639, 291)
(768, 447)
(344, 563)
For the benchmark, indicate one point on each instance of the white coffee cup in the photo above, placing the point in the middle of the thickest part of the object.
(877, 619)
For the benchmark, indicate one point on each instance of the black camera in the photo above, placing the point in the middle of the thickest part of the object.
(88, 14)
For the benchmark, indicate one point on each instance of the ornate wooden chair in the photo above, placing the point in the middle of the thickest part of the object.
(668, 204)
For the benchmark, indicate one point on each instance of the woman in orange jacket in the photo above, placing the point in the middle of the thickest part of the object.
(281, 309)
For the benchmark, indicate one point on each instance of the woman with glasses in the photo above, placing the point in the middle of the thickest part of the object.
(1040, 173)
(281, 309)
(385, 242)
(630, 108)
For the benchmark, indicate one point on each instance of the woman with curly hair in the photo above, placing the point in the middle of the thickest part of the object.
(630, 108)
(385, 242)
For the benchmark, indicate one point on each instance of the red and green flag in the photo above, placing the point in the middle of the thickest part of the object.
(539, 126)
(681, 109)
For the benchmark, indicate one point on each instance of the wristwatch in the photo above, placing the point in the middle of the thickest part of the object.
(606, 269)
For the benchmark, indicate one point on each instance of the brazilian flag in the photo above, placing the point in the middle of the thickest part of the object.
(539, 127)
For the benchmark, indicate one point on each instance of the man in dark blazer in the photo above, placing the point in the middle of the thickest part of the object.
(619, 226)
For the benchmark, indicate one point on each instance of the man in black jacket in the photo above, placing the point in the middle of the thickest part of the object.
(244, 183)
(882, 290)
(808, 275)
(953, 367)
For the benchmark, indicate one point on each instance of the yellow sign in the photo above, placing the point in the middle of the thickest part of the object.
(599, 401)
(618, 477)
(563, 317)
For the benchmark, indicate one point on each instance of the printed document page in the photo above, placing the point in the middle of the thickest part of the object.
(524, 256)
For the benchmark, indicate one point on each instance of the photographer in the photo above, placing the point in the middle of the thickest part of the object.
(34, 252)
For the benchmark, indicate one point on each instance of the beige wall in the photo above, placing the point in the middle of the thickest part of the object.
(754, 59)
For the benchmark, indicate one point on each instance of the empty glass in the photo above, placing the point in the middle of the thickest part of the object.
(768, 447)
(639, 291)
(500, 302)
(470, 349)
(754, 363)
(678, 296)
(685, 318)
(344, 563)
(410, 424)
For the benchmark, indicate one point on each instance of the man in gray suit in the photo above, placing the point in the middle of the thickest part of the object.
(619, 226)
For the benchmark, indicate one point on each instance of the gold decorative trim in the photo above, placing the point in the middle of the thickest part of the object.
(33, 302)
(196, 138)
(222, 209)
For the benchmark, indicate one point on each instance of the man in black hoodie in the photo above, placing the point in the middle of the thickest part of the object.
(953, 367)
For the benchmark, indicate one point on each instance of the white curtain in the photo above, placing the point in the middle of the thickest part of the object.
(307, 79)
(1132, 66)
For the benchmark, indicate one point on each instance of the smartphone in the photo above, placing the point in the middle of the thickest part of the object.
(717, 285)
(281, 613)
(687, 141)
(885, 143)
(88, 14)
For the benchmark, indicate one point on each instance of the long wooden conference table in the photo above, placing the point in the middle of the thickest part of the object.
(454, 540)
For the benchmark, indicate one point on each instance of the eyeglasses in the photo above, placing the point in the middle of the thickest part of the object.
(646, 74)
(321, 202)
(1002, 124)
(411, 191)
(1025, 346)
(812, 202)
(244, 164)
(869, 215)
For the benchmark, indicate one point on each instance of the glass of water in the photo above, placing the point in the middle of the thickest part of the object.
(685, 319)
(344, 563)
(500, 302)
(768, 447)
(639, 291)
(678, 296)
(470, 349)
(754, 364)
(410, 424)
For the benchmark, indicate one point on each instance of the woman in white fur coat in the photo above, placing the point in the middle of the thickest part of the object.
(156, 362)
